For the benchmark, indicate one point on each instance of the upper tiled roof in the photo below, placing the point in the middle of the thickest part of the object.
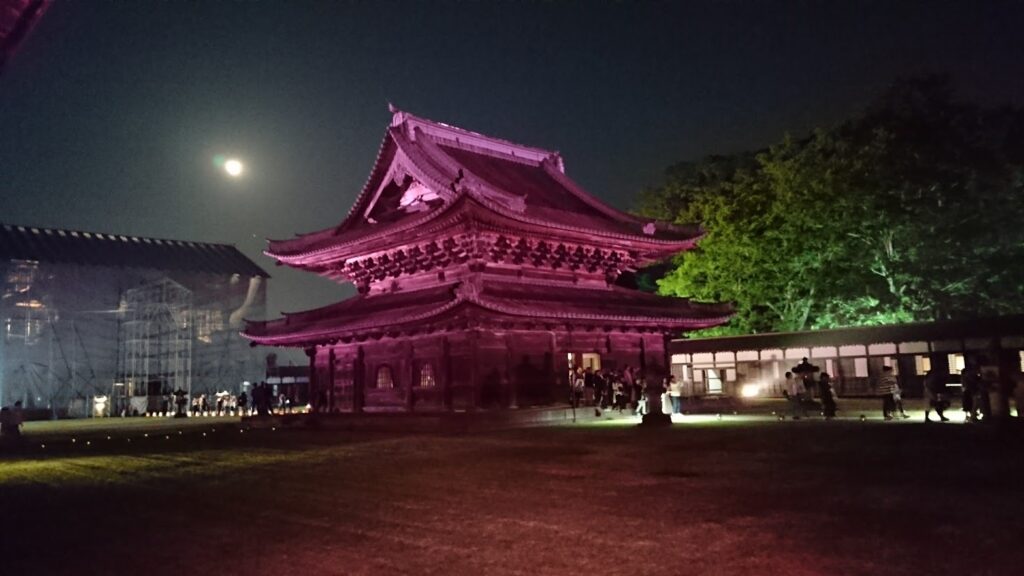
(100, 249)
(521, 183)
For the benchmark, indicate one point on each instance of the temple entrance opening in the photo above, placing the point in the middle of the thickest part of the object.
(585, 360)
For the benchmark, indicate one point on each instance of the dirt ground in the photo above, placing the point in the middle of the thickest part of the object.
(738, 495)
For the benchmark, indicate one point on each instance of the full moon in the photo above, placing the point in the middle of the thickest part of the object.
(233, 167)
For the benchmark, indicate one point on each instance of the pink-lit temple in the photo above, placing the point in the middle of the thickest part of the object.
(484, 273)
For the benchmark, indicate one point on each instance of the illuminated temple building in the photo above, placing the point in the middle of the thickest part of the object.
(484, 273)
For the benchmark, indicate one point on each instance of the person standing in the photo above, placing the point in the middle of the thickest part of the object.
(935, 395)
(11, 420)
(599, 385)
(897, 400)
(577, 387)
(970, 380)
(588, 387)
(666, 397)
(795, 395)
(629, 385)
(6, 422)
(18, 418)
(887, 386)
(828, 402)
(986, 384)
(675, 391)
(641, 403)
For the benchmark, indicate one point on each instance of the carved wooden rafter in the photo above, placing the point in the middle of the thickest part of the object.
(498, 249)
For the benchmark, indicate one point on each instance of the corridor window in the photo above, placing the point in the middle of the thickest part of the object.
(714, 381)
(860, 367)
(922, 364)
(956, 363)
(384, 379)
(427, 376)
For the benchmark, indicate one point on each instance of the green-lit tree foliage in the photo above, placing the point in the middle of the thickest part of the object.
(913, 210)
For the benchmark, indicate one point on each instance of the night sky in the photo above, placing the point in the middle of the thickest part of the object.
(111, 112)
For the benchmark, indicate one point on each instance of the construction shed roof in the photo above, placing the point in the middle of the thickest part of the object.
(116, 250)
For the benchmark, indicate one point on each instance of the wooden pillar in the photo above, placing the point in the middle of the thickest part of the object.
(667, 356)
(643, 358)
(313, 388)
(410, 376)
(330, 378)
(446, 374)
(512, 387)
(557, 390)
(474, 370)
(358, 380)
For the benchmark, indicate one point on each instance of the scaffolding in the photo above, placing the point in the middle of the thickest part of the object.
(155, 341)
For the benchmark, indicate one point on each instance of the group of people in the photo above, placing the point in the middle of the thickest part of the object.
(262, 401)
(801, 384)
(976, 388)
(11, 419)
(975, 394)
(606, 389)
(224, 404)
(622, 390)
(265, 402)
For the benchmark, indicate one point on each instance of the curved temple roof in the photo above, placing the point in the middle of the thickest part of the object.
(431, 178)
(525, 184)
(506, 301)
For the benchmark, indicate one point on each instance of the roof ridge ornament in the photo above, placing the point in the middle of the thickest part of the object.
(650, 228)
(397, 116)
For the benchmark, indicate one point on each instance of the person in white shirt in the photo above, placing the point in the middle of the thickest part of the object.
(675, 391)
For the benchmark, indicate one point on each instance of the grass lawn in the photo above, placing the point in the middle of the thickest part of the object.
(737, 496)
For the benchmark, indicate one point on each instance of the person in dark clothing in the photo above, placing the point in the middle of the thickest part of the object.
(935, 395)
(261, 399)
(588, 387)
(599, 390)
(11, 420)
(986, 384)
(828, 402)
(970, 379)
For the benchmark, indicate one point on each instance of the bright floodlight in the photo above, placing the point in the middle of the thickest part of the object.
(233, 167)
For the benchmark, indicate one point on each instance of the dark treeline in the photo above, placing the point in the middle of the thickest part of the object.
(911, 210)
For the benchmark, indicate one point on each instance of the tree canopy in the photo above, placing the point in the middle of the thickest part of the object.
(912, 210)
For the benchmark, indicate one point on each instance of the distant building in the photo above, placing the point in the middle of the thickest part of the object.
(122, 319)
(755, 365)
(484, 274)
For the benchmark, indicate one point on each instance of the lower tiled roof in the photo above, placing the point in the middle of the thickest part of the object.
(365, 314)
